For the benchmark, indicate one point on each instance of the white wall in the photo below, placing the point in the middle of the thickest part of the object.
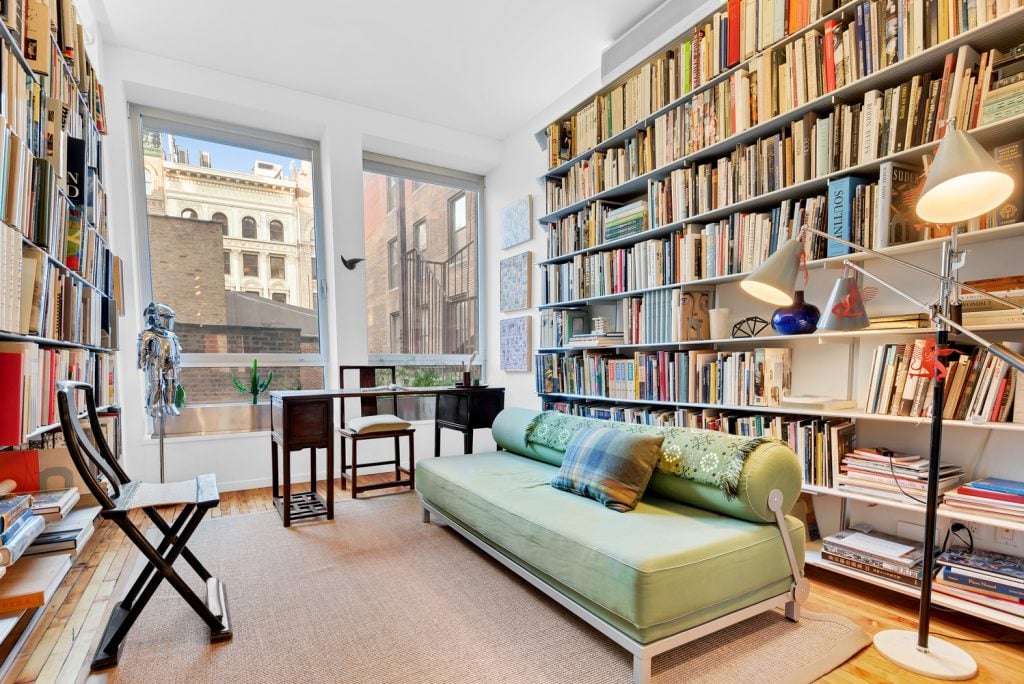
(344, 132)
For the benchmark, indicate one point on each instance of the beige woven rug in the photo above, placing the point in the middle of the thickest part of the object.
(377, 596)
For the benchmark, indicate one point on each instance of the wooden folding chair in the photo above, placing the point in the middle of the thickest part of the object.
(196, 496)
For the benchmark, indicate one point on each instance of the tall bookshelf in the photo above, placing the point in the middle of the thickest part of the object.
(678, 134)
(60, 292)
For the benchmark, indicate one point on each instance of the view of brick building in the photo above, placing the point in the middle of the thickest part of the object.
(234, 255)
(421, 267)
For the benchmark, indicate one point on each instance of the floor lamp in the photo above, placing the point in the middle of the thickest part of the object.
(963, 183)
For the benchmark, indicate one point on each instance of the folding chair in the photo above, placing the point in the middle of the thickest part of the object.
(197, 497)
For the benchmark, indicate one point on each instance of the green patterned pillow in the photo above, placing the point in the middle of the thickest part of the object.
(609, 466)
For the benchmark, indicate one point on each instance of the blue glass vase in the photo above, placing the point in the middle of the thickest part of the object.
(799, 318)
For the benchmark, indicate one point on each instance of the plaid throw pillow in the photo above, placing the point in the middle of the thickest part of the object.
(609, 466)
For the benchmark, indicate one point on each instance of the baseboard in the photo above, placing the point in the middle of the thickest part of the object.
(299, 479)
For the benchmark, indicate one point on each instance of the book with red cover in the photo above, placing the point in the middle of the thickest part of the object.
(968, 490)
(828, 50)
(10, 398)
(734, 20)
(22, 466)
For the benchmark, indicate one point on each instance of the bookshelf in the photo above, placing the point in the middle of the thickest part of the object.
(663, 146)
(60, 289)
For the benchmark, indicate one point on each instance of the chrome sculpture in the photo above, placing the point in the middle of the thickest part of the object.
(160, 358)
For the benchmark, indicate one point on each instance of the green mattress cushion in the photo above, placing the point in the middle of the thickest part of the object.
(705, 456)
(662, 568)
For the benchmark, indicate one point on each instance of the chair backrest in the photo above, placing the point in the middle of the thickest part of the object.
(367, 376)
(87, 453)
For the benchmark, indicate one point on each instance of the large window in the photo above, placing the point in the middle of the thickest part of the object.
(231, 313)
(422, 278)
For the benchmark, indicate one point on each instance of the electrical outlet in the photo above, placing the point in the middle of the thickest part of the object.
(1004, 535)
(974, 527)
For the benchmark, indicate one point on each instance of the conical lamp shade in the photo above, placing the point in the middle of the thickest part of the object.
(964, 182)
(845, 308)
(774, 280)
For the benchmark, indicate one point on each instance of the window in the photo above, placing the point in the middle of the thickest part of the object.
(227, 263)
(276, 231)
(419, 232)
(392, 264)
(279, 297)
(396, 332)
(253, 292)
(189, 213)
(277, 267)
(220, 218)
(149, 181)
(457, 222)
(251, 265)
(422, 302)
(249, 228)
(393, 187)
(312, 268)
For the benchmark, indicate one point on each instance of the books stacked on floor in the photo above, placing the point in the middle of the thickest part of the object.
(991, 496)
(592, 339)
(877, 554)
(558, 326)
(67, 535)
(892, 474)
(987, 578)
(54, 504)
(19, 526)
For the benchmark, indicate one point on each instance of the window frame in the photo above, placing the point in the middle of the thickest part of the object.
(189, 210)
(260, 140)
(418, 228)
(229, 266)
(270, 229)
(225, 232)
(284, 266)
(452, 230)
(470, 182)
(393, 264)
(255, 227)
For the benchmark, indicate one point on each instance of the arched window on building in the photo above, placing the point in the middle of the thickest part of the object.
(276, 231)
(189, 213)
(222, 220)
(249, 228)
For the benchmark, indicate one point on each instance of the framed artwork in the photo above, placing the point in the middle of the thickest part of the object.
(514, 282)
(514, 344)
(517, 222)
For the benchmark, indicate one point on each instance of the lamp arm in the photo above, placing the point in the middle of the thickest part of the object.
(996, 349)
(914, 267)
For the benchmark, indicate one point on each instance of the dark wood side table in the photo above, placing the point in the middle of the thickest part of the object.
(305, 421)
(465, 409)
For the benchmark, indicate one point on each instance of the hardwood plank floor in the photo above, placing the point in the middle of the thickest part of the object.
(60, 646)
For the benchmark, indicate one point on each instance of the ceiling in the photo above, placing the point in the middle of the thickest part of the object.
(479, 66)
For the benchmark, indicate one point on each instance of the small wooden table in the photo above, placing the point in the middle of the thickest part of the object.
(304, 419)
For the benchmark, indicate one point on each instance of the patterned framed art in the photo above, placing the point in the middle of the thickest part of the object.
(514, 282)
(514, 344)
(517, 222)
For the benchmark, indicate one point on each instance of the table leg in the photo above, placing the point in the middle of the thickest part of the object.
(355, 482)
(273, 466)
(412, 464)
(437, 440)
(286, 477)
(312, 469)
(330, 478)
(467, 441)
(344, 466)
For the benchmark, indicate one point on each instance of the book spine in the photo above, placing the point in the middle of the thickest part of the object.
(871, 569)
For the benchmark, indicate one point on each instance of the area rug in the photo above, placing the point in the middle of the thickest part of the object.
(378, 596)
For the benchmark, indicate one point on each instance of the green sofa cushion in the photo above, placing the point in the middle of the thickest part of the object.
(770, 466)
(662, 568)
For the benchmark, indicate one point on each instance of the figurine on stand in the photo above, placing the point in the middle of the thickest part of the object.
(160, 357)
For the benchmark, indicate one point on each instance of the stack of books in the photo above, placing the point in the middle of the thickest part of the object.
(874, 553)
(1005, 96)
(892, 475)
(54, 504)
(980, 310)
(991, 496)
(19, 527)
(987, 578)
(593, 339)
(67, 535)
(626, 220)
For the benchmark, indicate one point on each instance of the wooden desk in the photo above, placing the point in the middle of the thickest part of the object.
(304, 419)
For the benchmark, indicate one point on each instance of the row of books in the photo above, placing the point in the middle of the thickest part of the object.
(893, 475)
(776, 77)
(558, 326)
(978, 386)
(815, 441)
(877, 554)
(987, 578)
(665, 316)
(29, 375)
(991, 496)
(759, 377)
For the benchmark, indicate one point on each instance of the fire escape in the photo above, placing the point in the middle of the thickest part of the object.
(440, 302)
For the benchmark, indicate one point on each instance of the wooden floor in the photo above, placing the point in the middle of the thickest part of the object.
(61, 645)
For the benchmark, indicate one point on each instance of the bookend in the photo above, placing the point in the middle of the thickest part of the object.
(196, 496)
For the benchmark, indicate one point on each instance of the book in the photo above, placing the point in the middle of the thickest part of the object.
(988, 563)
(1011, 159)
(899, 188)
(12, 550)
(54, 504)
(978, 582)
(840, 216)
(31, 582)
(8, 534)
(12, 507)
(871, 569)
(996, 484)
(877, 545)
(1012, 607)
(818, 402)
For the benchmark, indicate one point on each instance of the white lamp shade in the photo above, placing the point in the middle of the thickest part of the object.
(964, 182)
(774, 281)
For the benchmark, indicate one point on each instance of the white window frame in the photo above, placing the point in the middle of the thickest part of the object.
(231, 134)
(470, 182)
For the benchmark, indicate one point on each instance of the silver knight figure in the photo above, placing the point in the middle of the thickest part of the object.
(160, 357)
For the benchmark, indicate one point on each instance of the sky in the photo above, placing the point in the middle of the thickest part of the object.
(227, 157)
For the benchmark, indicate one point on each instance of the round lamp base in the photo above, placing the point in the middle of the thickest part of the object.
(943, 660)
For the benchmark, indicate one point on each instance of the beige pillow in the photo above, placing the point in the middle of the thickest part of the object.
(385, 422)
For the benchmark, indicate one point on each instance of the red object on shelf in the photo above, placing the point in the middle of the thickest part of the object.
(10, 398)
(735, 18)
(22, 467)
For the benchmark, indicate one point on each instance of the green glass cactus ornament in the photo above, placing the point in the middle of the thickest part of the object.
(256, 386)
